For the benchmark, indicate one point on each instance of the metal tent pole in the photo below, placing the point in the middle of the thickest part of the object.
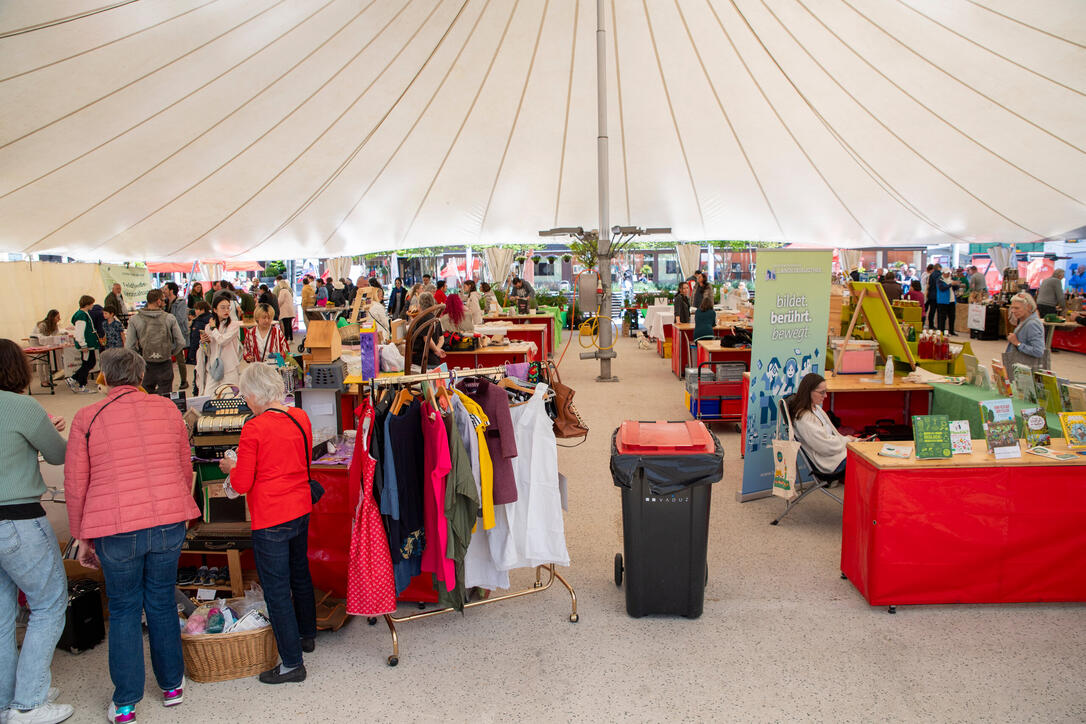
(603, 242)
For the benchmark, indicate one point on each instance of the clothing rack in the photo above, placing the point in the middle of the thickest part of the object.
(537, 587)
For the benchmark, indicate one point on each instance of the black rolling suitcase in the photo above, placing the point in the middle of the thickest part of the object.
(84, 624)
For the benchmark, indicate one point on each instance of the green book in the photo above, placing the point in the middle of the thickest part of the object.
(931, 433)
(1035, 427)
(1047, 381)
(1023, 383)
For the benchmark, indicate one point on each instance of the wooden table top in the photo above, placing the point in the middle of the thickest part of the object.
(689, 326)
(855, 383)
(713, 345)
(979, 458)
(498, 348)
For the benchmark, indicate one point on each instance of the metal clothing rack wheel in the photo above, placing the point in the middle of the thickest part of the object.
(538, 586)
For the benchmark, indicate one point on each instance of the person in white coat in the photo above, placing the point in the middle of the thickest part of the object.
(285, 296)
(816, 433)
(218, 361)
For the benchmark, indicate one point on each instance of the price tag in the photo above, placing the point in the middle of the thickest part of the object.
(205, 594)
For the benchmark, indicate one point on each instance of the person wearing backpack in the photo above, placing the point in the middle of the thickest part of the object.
(155, 335)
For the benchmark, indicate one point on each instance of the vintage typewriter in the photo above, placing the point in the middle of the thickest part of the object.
(218, 428)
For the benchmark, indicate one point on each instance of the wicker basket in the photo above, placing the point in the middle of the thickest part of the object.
(221, 657)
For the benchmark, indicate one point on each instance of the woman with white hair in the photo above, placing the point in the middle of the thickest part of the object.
(1050, 297)
(272, 467)
(1026, 344)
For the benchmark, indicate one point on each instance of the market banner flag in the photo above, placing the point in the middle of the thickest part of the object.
(791, 320)
(135, 281)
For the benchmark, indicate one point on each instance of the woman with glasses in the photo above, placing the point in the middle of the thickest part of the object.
(824, 445)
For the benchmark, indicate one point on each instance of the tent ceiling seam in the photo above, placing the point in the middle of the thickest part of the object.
(948, 74)
(728, 120)
(146, 75)
(516, 118)
(776, 113)
(418, 119)
(989, 50)
(914, 100)
(467, 117)
(671, 112)
(182, 99)
(621, 114)
(232, 158)
(569, 103)
(1025, 24)
(67, 19)
(877, 120)
(107, 43)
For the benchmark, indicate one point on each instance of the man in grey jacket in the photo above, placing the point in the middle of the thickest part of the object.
(177, 306)
(1050, 297)
(156, 336)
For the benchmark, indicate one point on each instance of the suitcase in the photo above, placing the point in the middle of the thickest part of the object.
(84, 626)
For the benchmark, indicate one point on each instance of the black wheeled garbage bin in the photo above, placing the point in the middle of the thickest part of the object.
(665, 471)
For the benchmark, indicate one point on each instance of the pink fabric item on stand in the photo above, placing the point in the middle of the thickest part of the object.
(437, 464)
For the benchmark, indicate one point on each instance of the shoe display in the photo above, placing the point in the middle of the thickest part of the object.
(223, 577)
(272, 676)
(186, 576)
(212, 576)
(309, 645)
(47, 713)
(201, 576)
(173, 697)
(120, 714)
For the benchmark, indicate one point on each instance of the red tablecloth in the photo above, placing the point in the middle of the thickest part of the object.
(1070, 338)
(965, 535)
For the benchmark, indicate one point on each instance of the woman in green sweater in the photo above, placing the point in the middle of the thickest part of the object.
(29, 553)
(86, 341)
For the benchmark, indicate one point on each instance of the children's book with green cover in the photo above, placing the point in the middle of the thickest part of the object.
(931, 433)
(1024, 388)
(1002, 436)
(1047, 381)
(1035, 427)
(1074, 429)
(996, 410)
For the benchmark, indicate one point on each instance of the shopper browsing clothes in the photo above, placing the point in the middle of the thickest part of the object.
(30, 555)
(218, 361)
(272, 469)
(128, 483)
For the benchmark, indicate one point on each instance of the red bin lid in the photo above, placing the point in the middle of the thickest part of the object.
(664, 438)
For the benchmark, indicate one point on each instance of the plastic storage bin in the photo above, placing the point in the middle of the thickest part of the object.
(665, 471)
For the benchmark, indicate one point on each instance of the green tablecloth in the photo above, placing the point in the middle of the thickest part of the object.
(961, 402)
(559, 320)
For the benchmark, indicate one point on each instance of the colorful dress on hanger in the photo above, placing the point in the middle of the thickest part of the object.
(371, 589)
(436, 464)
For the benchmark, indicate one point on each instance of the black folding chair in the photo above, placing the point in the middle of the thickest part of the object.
(819, 480)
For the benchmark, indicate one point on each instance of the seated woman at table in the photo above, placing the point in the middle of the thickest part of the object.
(704, 319)
(819, 438)
(48, 327)
(682, 304)
(1026, 344)
(456, 318)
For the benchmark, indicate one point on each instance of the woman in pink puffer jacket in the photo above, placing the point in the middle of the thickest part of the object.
(128, 483)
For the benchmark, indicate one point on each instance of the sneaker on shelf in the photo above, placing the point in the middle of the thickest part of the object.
(120, 714)
(173, 697)
(47, 713)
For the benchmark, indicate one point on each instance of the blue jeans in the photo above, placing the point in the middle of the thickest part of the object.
(30, 562)
(280, 553)
(141, 571)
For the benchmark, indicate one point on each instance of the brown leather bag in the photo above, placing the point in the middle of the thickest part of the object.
(567, 422)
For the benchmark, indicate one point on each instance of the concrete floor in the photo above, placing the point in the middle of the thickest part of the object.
(782, 638)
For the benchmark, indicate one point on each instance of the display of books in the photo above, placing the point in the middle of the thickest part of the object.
(996, 410)
(1024, 388)
(1002, 436)
(1076, 394)
(1074, 429)
(1035, 427)
(1046, 380)
(895, 451)
(931, 436)
(1065, 395)
(961, 438)
(1047, 452)
(1000, 379)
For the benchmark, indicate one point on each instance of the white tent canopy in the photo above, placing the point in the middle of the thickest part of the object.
(255, 129)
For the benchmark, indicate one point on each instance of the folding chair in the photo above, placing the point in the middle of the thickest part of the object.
(821, 479)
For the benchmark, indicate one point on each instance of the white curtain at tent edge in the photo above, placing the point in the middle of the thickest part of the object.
(211, 271)
(339, 267)
(850, 259)
(689, 258)
(498, 262)
(1001, 256)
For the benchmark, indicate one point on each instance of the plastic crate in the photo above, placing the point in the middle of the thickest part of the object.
(730, 371)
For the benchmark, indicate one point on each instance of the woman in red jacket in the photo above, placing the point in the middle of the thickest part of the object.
(128, 483)
(272, 469)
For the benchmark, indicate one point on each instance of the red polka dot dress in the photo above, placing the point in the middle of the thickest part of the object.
(371, 590)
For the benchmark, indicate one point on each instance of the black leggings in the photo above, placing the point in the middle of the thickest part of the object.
(288, 328)
(946, 314)
(80, 375)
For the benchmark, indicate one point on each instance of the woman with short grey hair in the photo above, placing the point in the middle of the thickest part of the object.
(272, 467)
(121, 366)
(1026, 344)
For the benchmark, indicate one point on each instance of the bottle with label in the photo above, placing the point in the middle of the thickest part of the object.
(923, 347)
(945, 350)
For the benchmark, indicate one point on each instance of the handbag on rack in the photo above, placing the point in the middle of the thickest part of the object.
(567, 422)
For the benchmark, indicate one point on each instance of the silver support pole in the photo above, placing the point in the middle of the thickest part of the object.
(603, 184)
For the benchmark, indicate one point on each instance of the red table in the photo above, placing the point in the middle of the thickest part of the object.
(489, 356)
(681, 336)
(536, 333)
(969, 529)
(1072, 339)
(539, 318)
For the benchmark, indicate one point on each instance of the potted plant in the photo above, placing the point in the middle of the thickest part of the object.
(537, 258)
(567, 258)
